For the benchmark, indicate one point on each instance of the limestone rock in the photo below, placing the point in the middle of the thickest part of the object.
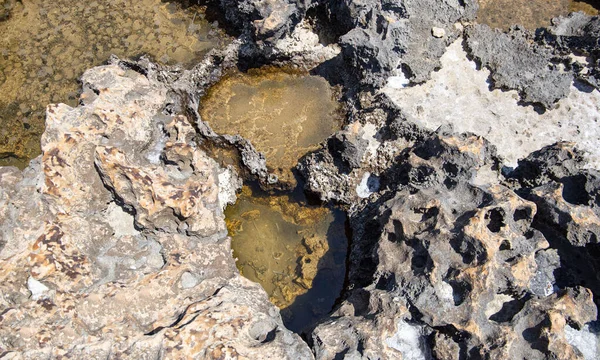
(388, 38)
(124, 252)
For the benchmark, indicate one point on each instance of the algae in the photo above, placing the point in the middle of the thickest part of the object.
(531, 14)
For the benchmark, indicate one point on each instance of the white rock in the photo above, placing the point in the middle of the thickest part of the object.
(459, 94)
(37, 289)
(408, 341)
(368, 185)
(584, 340)
(188, 280)
(120, 221)
(438, 32)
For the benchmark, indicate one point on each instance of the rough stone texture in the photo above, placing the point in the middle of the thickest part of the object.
(113, 241)
(517, 63)
(383, 38)
(448, 262)
(101, 235)
(265, 20)
(577, 33)
(458, 94)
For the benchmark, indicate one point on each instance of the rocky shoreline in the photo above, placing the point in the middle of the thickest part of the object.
(464, 246)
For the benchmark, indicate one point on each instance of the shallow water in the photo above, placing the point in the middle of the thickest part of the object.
(285, 115)
(531, 14)
(45, 46)
(295, 251)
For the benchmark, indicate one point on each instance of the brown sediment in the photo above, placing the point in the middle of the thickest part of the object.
(531, 14)
(47, 45)
(282, 244)
(284, 113)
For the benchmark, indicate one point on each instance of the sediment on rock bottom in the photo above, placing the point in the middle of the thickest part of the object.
(114, 242)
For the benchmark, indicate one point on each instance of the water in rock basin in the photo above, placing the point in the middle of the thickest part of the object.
(531, 14)
(283, 114)
(45, 46)
(295, 251)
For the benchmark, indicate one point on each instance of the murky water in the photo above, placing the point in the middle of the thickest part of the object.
(295, 251)
(531, 14)
(46, 45)
(284, 115)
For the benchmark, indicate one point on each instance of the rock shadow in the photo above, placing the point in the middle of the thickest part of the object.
(328, 283)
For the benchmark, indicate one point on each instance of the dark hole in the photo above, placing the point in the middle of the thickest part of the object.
(505, 245)
(574, 190)
(522, 214)
(496, 220)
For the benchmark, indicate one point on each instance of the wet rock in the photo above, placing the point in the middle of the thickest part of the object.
(5, 10)
(534, 75)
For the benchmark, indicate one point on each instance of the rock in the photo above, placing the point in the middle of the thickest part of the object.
(458, 95)
(432, 253)
(113, 242)
(438, 32)
(534, 75)
(577, 33)
(386, 38)
(265, 20)
(127, 237)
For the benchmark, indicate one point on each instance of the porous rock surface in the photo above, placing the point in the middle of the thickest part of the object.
(114, 245)
(114, 241)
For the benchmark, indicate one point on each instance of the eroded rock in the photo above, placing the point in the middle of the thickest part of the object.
(126, 248)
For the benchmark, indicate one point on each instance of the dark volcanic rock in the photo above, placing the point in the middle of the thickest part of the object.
(265, 20)
(577, 33)
(384, 38)
(516, 62)
(568, 211)
(441, 266)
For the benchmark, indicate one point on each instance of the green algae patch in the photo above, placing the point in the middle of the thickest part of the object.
(47, 45)
(295, 251)
(284, 114)
(531, 14)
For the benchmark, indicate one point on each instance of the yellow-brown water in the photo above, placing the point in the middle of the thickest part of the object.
(531, 14)
(295, 251)
(284, 115)
(46, 45)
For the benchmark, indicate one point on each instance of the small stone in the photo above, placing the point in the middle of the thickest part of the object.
(37, 289)
(438, 32)
(188, 280)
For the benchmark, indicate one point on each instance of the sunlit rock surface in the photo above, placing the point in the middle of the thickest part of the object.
(47, 45)
(114, 242)
(127, 243)
(463, 93)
